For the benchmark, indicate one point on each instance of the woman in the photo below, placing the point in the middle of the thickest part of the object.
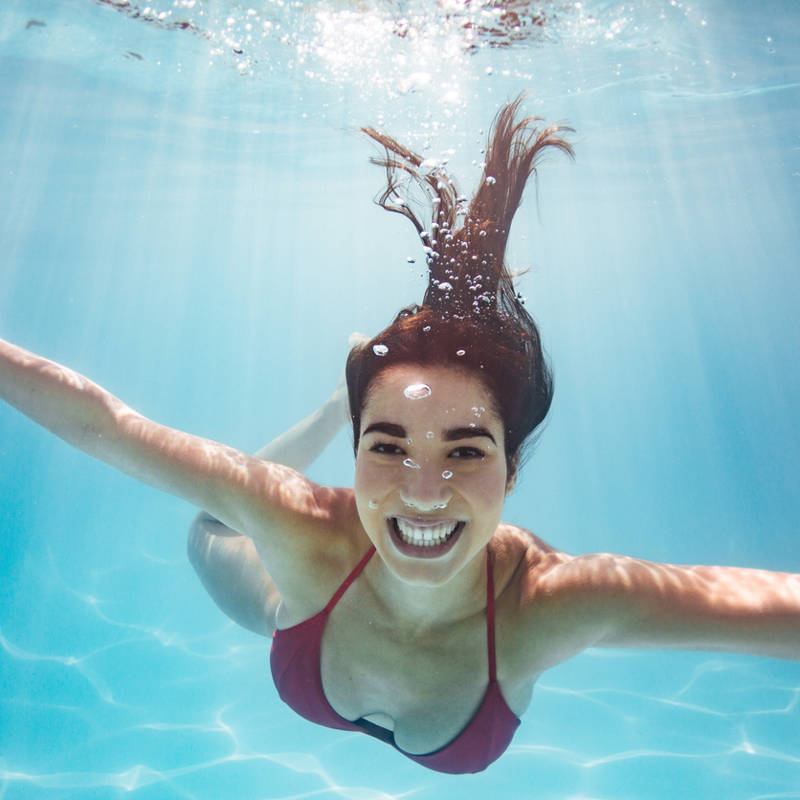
(404, 607)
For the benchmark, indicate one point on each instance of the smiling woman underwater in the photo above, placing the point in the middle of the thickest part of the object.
(404, 607)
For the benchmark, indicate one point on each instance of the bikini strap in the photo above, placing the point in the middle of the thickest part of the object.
(490, 618)
(354, 573)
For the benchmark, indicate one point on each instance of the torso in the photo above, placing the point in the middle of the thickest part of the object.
(422, 684)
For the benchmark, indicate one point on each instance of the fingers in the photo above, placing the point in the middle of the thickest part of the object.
(356, 339)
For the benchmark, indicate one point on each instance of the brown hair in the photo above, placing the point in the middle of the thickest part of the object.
(471, 316)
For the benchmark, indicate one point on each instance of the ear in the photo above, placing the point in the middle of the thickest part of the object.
(511, 478)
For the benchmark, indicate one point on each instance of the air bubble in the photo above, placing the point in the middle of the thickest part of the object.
(373, 504)
(430, 435)
(447, 474)
(491, 181)
(411, 464)
(380, 349)
(461, 353)
(445, 286)
(417, 391)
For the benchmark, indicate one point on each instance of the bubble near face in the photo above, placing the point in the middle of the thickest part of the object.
(417, 391)
(411, 464)
(380, 349)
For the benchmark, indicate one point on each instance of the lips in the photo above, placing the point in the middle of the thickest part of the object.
(424, 538)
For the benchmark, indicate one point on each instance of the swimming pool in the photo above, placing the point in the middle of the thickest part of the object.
(154, 171)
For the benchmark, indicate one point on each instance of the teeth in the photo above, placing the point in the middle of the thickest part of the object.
(429, 536)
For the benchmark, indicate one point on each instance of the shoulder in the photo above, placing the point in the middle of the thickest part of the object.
(554, 605)
(541, 571)
(522, 560)
(300, 505)
(312, 554)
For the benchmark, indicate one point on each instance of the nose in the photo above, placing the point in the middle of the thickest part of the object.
(425, 487)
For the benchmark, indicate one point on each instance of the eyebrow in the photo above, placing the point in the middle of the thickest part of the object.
(450, 435)
(389, 428)
(454, 434)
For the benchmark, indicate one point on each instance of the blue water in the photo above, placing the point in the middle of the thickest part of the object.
(186, 218)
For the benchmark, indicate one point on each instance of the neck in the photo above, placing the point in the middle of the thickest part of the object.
(420, 606)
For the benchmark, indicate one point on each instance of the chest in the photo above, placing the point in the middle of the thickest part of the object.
(424, 685)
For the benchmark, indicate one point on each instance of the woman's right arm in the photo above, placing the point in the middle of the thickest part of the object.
(246, 493)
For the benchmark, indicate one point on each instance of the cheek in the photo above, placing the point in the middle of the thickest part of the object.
(487, 487)
(370, 483)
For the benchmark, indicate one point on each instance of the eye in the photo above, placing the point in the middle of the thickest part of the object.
(467, 452)
(387, 449)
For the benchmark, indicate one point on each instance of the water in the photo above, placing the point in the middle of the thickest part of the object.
(186, 219)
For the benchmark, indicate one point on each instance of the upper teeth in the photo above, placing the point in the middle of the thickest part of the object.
(426, 536)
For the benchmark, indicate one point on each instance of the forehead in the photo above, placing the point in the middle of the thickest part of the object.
(428, 391)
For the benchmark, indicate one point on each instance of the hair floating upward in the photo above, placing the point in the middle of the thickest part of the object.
(466, 243)
(471, 317)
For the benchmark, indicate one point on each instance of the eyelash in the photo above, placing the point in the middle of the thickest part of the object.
(389, 449)
(473, 452)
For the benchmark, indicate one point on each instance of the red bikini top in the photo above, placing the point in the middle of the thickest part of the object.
(295, 664)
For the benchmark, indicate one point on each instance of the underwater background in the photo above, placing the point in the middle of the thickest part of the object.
(186, 218)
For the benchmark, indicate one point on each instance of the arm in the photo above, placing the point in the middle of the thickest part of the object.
(228, 564)
(300, 446)
(612, 601)
(242, 491)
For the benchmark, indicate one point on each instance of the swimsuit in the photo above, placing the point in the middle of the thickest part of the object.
(295, 664)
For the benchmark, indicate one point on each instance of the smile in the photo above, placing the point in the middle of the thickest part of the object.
(424, 538)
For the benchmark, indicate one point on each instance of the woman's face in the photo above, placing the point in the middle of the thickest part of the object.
(430, 470)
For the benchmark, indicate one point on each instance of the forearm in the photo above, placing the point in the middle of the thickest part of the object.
(299, 447)
(66, 403)
(301, 444)
(716, 608)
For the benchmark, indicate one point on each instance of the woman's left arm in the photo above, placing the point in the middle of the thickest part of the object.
(614, 601)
